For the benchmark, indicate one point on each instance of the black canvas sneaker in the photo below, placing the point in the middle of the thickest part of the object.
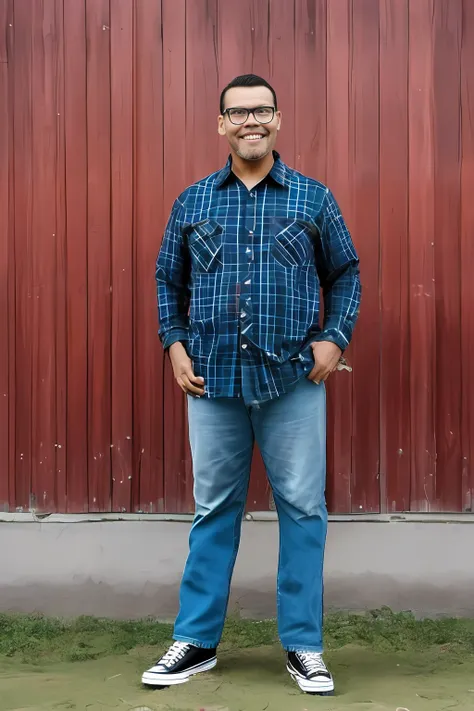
(310, 673)
(179, 664)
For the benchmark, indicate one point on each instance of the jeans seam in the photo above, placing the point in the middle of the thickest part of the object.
(279, 568)
(237, 529)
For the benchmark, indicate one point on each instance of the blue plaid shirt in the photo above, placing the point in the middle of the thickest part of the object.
(239, 276)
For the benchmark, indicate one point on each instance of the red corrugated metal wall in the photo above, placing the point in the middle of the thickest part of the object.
(107, 111)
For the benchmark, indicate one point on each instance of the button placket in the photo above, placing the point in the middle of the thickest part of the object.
(250, 249)
(245, 305)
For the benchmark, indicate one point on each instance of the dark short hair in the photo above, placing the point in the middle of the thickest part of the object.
(246, 80)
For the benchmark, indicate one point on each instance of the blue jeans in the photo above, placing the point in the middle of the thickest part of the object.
(291, 434)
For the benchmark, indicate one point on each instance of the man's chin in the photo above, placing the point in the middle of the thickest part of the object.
(252, 156)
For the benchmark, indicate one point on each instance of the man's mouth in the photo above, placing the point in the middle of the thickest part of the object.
(253, 137)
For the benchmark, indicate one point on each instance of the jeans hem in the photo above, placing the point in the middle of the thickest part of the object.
(195, 642)
(303, 648)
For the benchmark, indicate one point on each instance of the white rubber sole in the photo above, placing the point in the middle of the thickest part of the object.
(323, 687)
(151, 679)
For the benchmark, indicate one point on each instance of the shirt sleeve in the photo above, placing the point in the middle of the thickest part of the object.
(338, 269)
(172, 282)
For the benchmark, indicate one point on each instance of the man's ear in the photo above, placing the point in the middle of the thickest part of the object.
(221, 126)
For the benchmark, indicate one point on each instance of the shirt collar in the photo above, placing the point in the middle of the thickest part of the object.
(279, 172)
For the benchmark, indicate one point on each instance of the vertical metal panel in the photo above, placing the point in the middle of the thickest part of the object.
(98, 253)
(4, 259)
(147, 482)
(467, 256)
(394, 348)
(364, 167)
(310, 87)
(75, 118)
(202, 88)
(107, 111)
(20, 75)
(60, 286)
(281, 53)
(121, 65)
(447, 32)
(340, 389)
(421, 259)
(10, 471)
(41, 289)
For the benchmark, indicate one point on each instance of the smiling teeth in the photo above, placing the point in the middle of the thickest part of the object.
(253, 137)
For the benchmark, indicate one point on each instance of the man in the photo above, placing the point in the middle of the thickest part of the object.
(243, 258)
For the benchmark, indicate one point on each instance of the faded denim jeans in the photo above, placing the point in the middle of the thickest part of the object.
(291, 434)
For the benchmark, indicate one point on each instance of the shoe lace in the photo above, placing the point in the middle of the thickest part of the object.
(174, 654)
(313, 662)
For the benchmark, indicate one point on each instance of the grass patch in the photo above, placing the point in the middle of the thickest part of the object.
(386, 631)
(38, 639)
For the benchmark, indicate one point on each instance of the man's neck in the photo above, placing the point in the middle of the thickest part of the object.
(252, 172)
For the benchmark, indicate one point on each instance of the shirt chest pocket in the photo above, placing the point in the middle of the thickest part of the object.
(293, 245)
(205, 244)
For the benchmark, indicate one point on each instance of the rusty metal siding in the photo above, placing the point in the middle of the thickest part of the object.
(107, 111)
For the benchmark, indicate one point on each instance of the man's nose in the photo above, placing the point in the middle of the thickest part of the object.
(251, 121)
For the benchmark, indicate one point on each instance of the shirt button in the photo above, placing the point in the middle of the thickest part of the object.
(252, 195)
(247, 282)
(243, 314)
(250, 232)
(244, 346)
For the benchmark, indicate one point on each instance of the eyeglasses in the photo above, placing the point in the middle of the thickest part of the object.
(262, 114)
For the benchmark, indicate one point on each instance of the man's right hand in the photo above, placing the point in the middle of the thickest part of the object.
(183, 371)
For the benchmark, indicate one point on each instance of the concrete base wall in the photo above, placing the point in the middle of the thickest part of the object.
(129, 569)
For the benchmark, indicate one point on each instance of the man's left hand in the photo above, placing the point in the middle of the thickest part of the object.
(326, 357)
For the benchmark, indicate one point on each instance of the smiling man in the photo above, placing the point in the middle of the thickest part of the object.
(244, 255)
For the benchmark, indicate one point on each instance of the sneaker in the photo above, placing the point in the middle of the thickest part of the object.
(310, 673)
(179, 664)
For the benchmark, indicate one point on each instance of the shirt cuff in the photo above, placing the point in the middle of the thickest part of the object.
(173, 336)
(334, 336)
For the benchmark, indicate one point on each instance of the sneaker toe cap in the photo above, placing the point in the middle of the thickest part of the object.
(322, 679)
(157, 669)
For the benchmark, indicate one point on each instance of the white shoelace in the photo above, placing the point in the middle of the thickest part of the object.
(174, 654)
(313, 662)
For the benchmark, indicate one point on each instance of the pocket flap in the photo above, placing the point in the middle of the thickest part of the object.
(203, 230)
(293, 245)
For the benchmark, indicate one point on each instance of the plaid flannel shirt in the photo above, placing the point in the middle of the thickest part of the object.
(239, 275)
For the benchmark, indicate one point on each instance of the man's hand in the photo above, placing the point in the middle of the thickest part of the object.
(326, 357)
(183, 371)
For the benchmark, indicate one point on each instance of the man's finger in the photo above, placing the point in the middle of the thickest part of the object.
(194, 378)
(316, 374)
(319, 375)
(190, 387)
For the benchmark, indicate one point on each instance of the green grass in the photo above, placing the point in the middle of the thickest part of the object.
(38, 639)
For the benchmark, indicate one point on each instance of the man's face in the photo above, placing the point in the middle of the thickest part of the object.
(251, 140)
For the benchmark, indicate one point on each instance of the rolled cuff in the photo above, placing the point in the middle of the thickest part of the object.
(173, 336)
(334, 336)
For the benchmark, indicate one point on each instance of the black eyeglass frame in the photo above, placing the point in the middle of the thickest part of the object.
(249, 111)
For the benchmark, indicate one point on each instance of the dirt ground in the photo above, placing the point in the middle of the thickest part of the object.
(244, 680)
